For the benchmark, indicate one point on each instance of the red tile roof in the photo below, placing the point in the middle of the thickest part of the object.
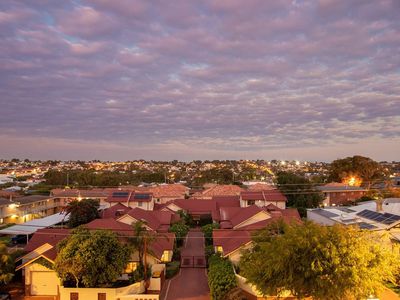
(156, 220)
(245, 214)
(219, 190)
(169, 191)
(266, 195)
(46, 235)
(111, 224)
(230, 240)
(115, 211)
(260, 187)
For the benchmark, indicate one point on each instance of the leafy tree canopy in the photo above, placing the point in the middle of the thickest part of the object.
(82, 212)
(6, 265)
(221, 278)
(91, 258)
(299, 191)
(329, 263)
(367, 169)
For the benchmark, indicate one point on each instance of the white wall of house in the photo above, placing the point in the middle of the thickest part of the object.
(143, 205)
(43, 281)
(235, 256)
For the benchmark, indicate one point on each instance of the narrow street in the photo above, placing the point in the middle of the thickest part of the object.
(191, 282)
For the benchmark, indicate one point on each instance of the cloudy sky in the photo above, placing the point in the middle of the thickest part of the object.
(226, 79)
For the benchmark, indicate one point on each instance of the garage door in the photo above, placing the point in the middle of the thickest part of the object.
(44, 283)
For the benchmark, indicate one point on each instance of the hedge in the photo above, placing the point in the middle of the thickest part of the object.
(221, 278)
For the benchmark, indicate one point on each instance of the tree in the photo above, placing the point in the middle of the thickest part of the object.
(91, 258)
(221, 278)
(6, 265)
(82, 212)
(359, 166)
(329, 263)
(180, 231)
(140, 242)
(299, 191)
(208, 230)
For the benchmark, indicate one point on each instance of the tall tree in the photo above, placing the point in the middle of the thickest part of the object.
(6, 265)
(82, 212)
(141, 241)
(91, 258)
(299, 191)
(363, 167)
(330, 263)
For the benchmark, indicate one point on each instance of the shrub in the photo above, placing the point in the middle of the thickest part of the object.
(221, 277)
(207, 230)
(172, 269)
(180, 231)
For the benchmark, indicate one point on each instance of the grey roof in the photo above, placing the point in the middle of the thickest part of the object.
(4, 201)
(325, 213)
(30, 199)
(34, 225)
(325, 188)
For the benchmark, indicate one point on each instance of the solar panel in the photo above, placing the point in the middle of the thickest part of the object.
(120, 194)
(385, 218)
(325, 213)
(142, 196)
(364, 225)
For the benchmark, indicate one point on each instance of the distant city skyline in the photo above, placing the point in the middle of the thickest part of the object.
(125, 80)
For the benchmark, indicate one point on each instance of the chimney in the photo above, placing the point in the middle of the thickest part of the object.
(379, 205)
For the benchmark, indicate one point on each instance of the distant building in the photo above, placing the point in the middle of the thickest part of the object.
(366, 215)
(23, 209)
(340, 193)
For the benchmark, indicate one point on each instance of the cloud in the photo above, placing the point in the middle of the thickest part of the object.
(201, 78)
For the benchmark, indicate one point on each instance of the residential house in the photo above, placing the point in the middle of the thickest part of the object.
(366, 215)
(340, 193)
(159, 221)
(164, 193)
(263, 198)
(218, 190)
(26, 208)
(238, 224)
(131, 198)
(67, 195)
(42, 281)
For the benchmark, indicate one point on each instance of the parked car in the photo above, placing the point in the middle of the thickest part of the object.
(19, 239)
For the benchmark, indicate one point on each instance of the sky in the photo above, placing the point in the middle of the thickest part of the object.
(204, 79)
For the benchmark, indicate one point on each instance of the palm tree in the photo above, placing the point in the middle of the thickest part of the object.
(140, 242)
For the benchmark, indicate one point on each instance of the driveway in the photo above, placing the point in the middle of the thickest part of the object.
(190, 283)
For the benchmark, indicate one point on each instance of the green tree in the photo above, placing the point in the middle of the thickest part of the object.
(6, 265)
(208, 230)
(91, 258)
(299, 191)
(221, 278)
(140, 242)
(367, 169)
(82, 212)
(180, 231)
(330, 263)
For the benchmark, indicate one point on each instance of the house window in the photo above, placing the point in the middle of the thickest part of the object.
(140, 204)
(219, 249)
(130, 267)
(251, 202)
(101, 296)
(73, 296)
